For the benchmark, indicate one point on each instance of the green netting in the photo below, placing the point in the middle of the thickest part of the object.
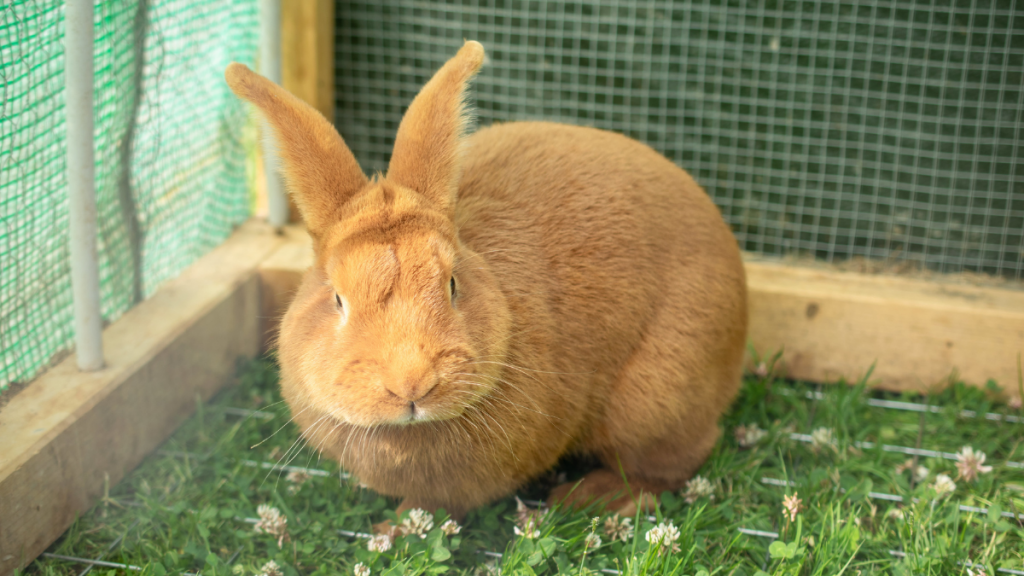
(172, 157)
(879, 129)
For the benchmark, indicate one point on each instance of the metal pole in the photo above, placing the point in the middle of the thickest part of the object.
(85, 280)
(270, 66)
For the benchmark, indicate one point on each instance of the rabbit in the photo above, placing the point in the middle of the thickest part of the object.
(500, 300)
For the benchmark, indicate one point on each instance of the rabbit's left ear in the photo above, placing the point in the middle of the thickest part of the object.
(427, 153)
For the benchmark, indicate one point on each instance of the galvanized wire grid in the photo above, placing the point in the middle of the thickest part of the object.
(171, 157)
(877, 129)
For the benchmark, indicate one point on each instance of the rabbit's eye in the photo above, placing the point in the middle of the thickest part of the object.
(451, 287)
(342, 312)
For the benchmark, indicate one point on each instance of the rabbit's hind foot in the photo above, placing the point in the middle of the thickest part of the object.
(608, 490)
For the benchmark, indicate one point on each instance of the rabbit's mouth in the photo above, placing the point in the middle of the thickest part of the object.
(436, 406)
(446, 401)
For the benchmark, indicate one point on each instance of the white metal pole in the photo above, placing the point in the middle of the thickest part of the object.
(270, 66)
(78, 93)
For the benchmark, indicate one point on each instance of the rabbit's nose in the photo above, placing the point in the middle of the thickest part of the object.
(415, 388)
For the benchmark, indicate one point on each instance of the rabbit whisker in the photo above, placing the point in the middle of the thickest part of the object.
(524, 369)
(505, 399)
(290, 420)
(283, 456)
(481, 435)
(313, 451)
(312, 430)
(496, 379)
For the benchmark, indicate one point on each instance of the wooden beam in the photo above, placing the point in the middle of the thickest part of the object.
(307, 58)
(916, 333)
(307, 52)
(68, 430)
(833, 325)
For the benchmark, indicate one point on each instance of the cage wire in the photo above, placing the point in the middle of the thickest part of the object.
(838, 130)
(173, 158)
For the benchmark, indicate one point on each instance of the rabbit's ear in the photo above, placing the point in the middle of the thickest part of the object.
(319, 169)
(427, 151)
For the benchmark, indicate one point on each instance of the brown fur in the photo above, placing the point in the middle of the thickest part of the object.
(600, 307)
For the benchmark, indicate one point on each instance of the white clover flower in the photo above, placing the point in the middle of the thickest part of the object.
(361, 570)
(618, 529)
(944, 485)
(748, 436)
(791, 506)
(527, 520)
(698, 487)
(895, 513)
(296, 479)
(592, 541)
(271, 569)
(379, 543)
(823, 438)
(418, 523)
(529, 531)
(920, 472)
(272, 522)
(451, 527)
(664, 536)
(761, 370)
(969, 463)
(525, 513)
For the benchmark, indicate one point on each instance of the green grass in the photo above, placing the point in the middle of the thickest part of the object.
(185, 508)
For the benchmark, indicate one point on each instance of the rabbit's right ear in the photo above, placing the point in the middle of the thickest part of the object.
(319, 169)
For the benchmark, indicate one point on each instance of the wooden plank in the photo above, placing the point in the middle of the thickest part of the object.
(307, 52)
(833, 325)
(307, 58)
(69, 430)
(915, 332)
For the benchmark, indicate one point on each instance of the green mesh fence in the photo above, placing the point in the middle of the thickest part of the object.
(172, 157)
(880, 129)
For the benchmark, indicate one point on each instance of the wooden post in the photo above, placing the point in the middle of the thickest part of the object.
(307, 56)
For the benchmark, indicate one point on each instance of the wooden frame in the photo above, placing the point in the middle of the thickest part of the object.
(69, 431)
(307, 59)
(915, 333)
(307, 52)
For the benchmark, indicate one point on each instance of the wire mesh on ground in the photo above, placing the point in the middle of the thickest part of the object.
(172, 148)
(193, 505)
(883, 130)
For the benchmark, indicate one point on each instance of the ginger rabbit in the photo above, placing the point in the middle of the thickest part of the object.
(500, 300)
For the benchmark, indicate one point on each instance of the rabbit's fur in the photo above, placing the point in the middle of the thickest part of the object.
(599, 306)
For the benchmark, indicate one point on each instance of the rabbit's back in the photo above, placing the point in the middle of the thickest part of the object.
(604, 229)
